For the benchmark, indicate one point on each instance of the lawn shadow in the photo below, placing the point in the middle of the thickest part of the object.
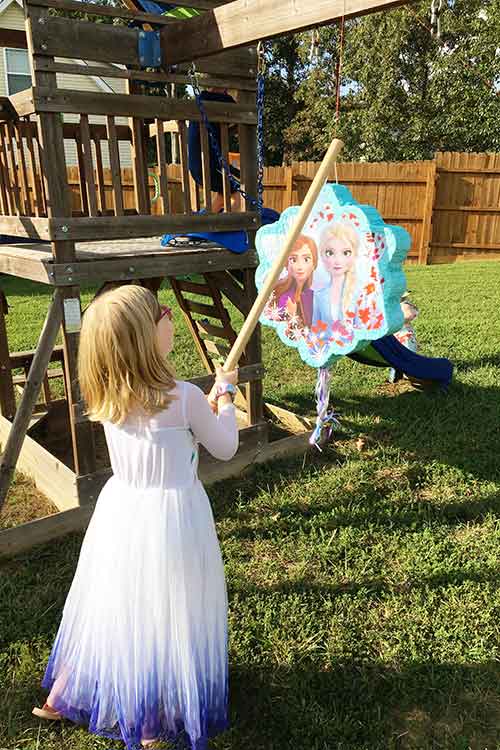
(460, 429)
(367, 586)
(489, 360)
(366, 706)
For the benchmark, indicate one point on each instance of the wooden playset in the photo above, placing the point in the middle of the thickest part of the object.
(101, 241)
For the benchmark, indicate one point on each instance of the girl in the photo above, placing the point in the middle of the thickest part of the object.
(293, 294)
(141, 652)
(339, 248)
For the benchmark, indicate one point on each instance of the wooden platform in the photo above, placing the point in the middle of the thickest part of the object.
(119, 260)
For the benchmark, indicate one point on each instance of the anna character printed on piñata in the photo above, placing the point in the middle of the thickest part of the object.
(293, 297)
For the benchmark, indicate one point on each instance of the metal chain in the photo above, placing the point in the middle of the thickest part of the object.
(261, 69)
(214, 141)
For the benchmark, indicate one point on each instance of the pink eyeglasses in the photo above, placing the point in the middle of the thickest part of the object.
(165, 312)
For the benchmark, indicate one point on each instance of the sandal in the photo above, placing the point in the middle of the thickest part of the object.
(150, 743)
(46, 712)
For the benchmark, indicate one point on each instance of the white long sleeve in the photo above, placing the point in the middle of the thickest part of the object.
(218, 434)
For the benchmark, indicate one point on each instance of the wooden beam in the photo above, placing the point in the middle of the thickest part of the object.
(245, 22)
(31, 390)
(37, 265)
(34, 228)
(50, 475)
(124, 227)
(99, 42)
(107, 71)
(128, 105)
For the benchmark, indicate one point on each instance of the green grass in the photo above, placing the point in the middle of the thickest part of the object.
(363, 581)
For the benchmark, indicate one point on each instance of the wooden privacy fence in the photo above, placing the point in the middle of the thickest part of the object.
(466, 208)
(450, 205)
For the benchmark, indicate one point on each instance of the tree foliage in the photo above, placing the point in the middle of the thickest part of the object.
(405, 93)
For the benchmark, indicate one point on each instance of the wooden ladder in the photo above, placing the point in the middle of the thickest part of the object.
(209, 321)
(207, 317)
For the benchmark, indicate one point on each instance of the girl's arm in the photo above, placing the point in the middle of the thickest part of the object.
(218, 434)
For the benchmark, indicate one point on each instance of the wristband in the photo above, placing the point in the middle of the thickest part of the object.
(223, 388)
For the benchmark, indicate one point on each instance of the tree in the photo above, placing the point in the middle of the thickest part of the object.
(285, 71)
(405, 93)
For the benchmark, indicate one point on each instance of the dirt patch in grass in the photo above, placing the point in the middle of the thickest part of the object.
(24, 503)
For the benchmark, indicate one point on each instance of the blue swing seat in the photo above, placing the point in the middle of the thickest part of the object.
(235, 241)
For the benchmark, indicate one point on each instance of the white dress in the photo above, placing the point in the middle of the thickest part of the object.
(141, 651)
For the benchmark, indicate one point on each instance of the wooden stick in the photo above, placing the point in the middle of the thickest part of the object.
(30, 395)
(278, 265)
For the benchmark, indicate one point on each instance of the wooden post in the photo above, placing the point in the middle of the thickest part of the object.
(51, 140)
(183, 153)
(162, 165)
(35, 172)
(7, 394)
(247, 135)
(140, 168)
(430, 195)
(31, 391)
(114, 164)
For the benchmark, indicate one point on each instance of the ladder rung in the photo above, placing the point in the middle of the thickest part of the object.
(198, 307)
(205, 327)
(51, 374)
(217, 349)
(194, 288)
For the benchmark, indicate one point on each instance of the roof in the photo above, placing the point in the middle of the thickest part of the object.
(4, 4)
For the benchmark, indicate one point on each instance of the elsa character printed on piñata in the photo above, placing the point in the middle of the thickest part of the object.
(339, 249)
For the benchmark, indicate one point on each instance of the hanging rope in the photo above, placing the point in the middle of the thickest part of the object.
(327, 419)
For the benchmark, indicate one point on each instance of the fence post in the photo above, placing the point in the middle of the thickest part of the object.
(430, 195)
(288, 186)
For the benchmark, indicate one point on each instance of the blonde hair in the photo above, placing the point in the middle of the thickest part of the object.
(340, 230)
(120, 365)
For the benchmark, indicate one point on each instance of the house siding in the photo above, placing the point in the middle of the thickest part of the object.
(13, 18)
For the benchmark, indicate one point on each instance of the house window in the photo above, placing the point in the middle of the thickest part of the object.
(17, 70)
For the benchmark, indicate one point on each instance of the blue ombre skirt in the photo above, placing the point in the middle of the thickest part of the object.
(141, 651)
